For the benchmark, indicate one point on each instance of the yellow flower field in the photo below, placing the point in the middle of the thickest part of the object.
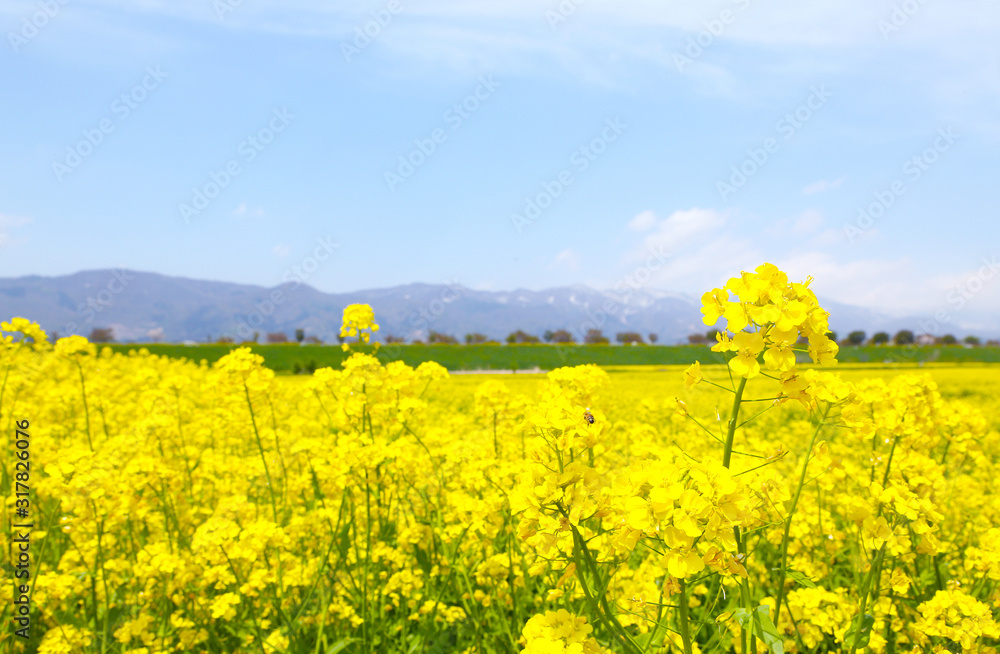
(754, 507)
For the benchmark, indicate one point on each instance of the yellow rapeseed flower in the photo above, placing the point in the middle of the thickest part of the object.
(359, 320)
(29, 330)
(692, 375)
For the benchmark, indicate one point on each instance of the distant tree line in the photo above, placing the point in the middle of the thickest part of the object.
(858, 338)
(521, 337)
(592, 337)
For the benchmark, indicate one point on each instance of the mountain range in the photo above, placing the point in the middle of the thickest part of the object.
(146, 307)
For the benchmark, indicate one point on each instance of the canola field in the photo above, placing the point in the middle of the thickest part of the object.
(752, 507)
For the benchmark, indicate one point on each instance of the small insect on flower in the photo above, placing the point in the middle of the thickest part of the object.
(588, 416)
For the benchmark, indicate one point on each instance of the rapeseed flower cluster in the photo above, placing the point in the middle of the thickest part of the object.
(359, 320)
(769, 316)
(559, 632)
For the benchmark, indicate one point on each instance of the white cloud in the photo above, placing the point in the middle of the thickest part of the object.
(642, 222)
(698, 251)
(776, 22)
(882, 285)
(968, 296)
(599, 42)
(808, 222)
(280, 250)
(7, 220)
(690, 251)
(677, 230)
(822, 185)
(244, 210)
(896, 287)
(828, 237)
(568, 259)
(707, 265)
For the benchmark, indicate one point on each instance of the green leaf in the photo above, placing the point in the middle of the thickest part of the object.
(801, 578)
(742, 617)
(423, 560)
(759, 624)
(767, 631)
(340, 645)
(315, 484)
(342, 540)
(863, 634)
(444, 642)
(952, 646)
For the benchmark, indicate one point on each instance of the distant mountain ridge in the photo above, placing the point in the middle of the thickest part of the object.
(144, 307)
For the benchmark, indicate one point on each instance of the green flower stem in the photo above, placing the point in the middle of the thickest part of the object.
(270, 488)
(86, 408)
(604, 611)
(863, 604)
(745, 588)
(734, 416)
(99, 563)
(685, 625)
(368, 553)
(733, 419)
(263, 458)
(788, 518)
(320, 639)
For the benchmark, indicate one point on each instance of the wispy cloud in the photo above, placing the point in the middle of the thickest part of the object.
(822, 185)
(692, 250)
(243, 210)
(777, 22)
(642, 222)
(809, 221)
(884, 285)
(678, 230)
(700, 249)
(568, 259)
(8, 220)
(511, 36)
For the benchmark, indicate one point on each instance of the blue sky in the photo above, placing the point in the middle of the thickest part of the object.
(626, 123)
